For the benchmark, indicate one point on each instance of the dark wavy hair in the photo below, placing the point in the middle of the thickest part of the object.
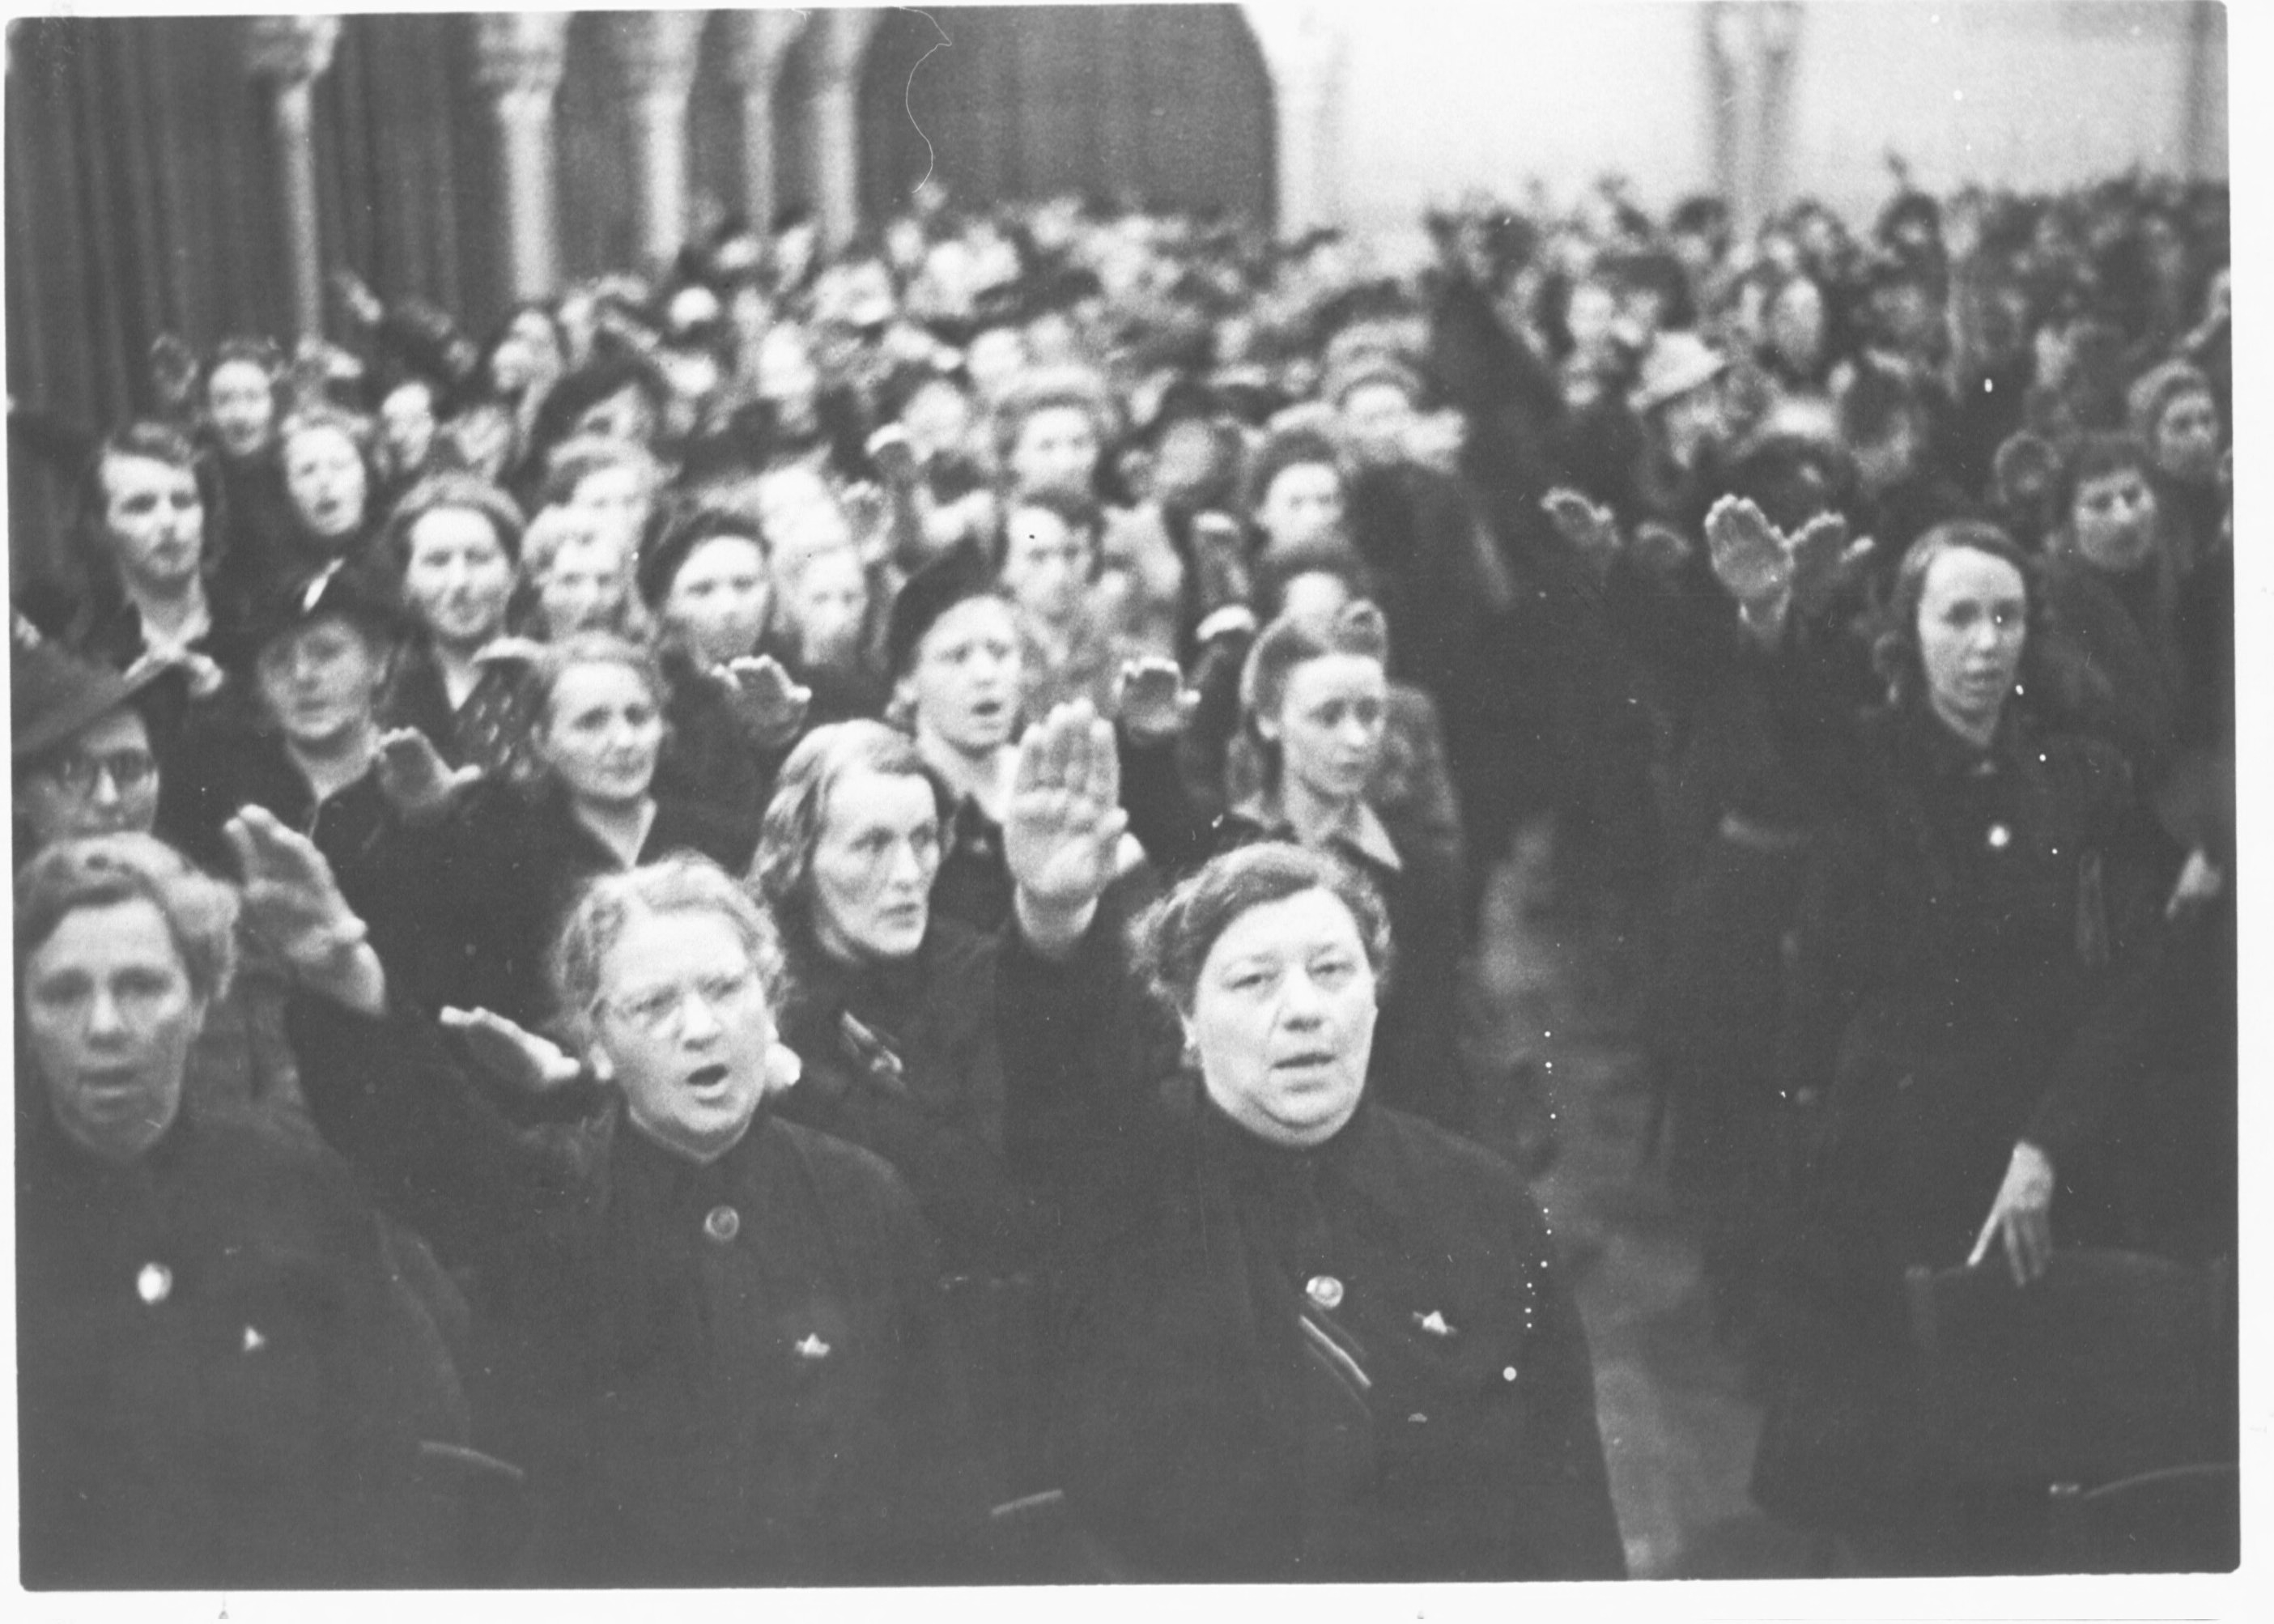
(1895, 652)
(1172, 938)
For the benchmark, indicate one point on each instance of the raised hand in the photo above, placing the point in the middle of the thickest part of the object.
(512, 1054)
(771, 704)
(1151, 697)
(356, 298)
(415, 780)
(1823, 560)
(292, 902)
(1064, 824)
(1749, 558)
(1590, 529)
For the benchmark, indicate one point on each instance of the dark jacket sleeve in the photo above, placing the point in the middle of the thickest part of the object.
(434, 1146)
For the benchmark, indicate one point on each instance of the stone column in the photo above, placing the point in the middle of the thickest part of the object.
(519, 58)
(761, 43)
(835, 117)
(287, 55)
(658, 51)
(1752, 47)
(1304, 47)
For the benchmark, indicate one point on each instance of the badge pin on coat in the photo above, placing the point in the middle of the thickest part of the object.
(1433, 1323)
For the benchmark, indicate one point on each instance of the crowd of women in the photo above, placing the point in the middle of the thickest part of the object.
(818, 908)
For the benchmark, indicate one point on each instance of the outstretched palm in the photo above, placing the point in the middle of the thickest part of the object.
(292, 901)
(1064, 815)
(511, 1053)
(1749, 558)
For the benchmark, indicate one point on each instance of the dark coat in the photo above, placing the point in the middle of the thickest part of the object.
(222, 1378)
(1967, 978)
(1358, 1362)
(492, 730)
(724, 1374)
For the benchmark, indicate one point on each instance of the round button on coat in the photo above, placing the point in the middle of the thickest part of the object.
(1325, 1290)
(722, 1224)
(154, 1283)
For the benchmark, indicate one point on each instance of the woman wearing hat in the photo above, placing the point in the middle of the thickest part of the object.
(84, 767)
(1297, 1334)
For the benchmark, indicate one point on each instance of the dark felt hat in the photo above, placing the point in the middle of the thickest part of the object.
(53, 693)
(956, 575)
(350, 592)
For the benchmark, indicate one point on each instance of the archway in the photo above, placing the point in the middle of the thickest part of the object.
(1169, 107)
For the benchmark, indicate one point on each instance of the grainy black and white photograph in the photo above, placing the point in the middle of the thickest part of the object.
(1101, 795)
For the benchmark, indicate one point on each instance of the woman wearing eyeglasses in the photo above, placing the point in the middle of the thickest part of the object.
(712, 1338)
(83, 766)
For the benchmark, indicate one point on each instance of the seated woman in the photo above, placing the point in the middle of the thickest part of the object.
(1299, 1334)
(224, 1377)
(717, 1345)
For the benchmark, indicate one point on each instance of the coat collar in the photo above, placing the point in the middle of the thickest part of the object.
(1363, 834)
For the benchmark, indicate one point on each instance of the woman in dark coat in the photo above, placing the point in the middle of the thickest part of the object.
(712, 1338)
(223, 1375)
(1296, 1334)
(1964, 986)
(892, 1010)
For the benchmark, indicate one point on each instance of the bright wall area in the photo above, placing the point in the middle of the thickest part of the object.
(1440, 97)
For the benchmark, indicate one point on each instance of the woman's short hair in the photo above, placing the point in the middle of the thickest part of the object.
(581, 649)
(2095, 454)
(1291, 448)
(791, 833)
(252, 351)
(1294, 639)
(682, 884)
(439, 492)
(322, 415)
(149, 439)
(1172, 938)
(1045, 390)
(103, 870)
(1896, 651)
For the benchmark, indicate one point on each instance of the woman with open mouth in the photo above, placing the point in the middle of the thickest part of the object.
(1297, 1334)
(713, 1339)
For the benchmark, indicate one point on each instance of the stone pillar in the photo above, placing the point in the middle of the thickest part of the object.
(1752, 47)
(761, 43)
(835, 117)
(1304, 47)
(519, 58)
(657, 50)
(287, 55)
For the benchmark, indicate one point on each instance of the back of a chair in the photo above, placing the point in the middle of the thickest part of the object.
(2102, 1369)
(2186, 1519)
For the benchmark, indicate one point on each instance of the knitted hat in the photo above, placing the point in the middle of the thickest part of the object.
(2157, 388)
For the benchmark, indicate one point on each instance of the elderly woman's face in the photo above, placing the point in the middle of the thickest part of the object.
(242, 407)
(1973, 620)
(873, 866)
(324, 474)
(1330, 724)
(684, 1027)
(109, 1012)
(602, 734)
(1283, 1018)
